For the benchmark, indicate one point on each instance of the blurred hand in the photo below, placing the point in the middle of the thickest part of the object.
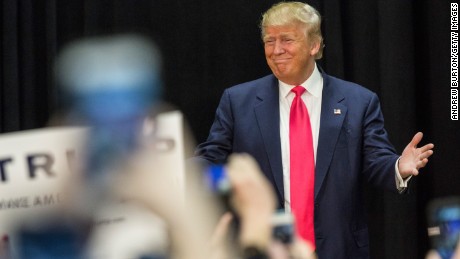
(253, 198)
(218, 244)
(299, 249)
(150, 179)
(432, 254)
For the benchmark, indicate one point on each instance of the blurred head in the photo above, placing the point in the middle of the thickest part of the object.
(109, 83)
(291, 32)
(110, 77)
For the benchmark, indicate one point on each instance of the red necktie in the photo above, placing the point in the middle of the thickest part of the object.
(302, 171)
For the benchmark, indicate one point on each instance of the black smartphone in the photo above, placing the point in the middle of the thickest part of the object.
(444, 225)
(283, 227)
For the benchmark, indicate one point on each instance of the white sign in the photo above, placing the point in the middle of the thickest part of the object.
(37, 165)
(34, 165)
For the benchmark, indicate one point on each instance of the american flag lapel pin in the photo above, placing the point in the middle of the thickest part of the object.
(337, 111)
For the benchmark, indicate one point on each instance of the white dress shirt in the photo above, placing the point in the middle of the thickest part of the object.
(312, 98)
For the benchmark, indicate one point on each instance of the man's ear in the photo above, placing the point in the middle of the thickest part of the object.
(314, 47)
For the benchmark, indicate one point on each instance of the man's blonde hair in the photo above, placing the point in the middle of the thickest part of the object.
(286, 13)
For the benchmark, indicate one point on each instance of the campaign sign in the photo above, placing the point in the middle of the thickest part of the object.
(37, 167)
(34, 166)
(127, 230)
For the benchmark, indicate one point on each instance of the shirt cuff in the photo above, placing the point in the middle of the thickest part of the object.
(401, 184)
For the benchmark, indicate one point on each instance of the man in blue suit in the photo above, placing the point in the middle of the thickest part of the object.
(349, 140)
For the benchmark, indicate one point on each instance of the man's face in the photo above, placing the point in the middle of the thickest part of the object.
(289, 52)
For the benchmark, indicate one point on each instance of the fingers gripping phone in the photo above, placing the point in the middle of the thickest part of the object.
(282, 222)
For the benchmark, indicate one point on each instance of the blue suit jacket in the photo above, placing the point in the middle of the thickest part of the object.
(353, 146)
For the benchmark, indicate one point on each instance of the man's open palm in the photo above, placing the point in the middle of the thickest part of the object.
(414, 158)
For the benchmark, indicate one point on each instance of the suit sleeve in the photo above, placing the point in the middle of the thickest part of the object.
(218, 145)
(379, 155)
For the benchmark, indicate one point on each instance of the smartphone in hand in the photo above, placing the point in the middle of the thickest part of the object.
(444, 225)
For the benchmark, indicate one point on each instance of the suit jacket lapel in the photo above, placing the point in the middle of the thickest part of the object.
(267, 114)
(330, 125)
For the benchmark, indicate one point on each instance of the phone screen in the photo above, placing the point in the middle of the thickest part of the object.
(217, 180)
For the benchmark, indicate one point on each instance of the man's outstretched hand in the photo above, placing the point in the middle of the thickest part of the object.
(413, 158)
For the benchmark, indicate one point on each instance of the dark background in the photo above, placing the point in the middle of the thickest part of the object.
(399, 49)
